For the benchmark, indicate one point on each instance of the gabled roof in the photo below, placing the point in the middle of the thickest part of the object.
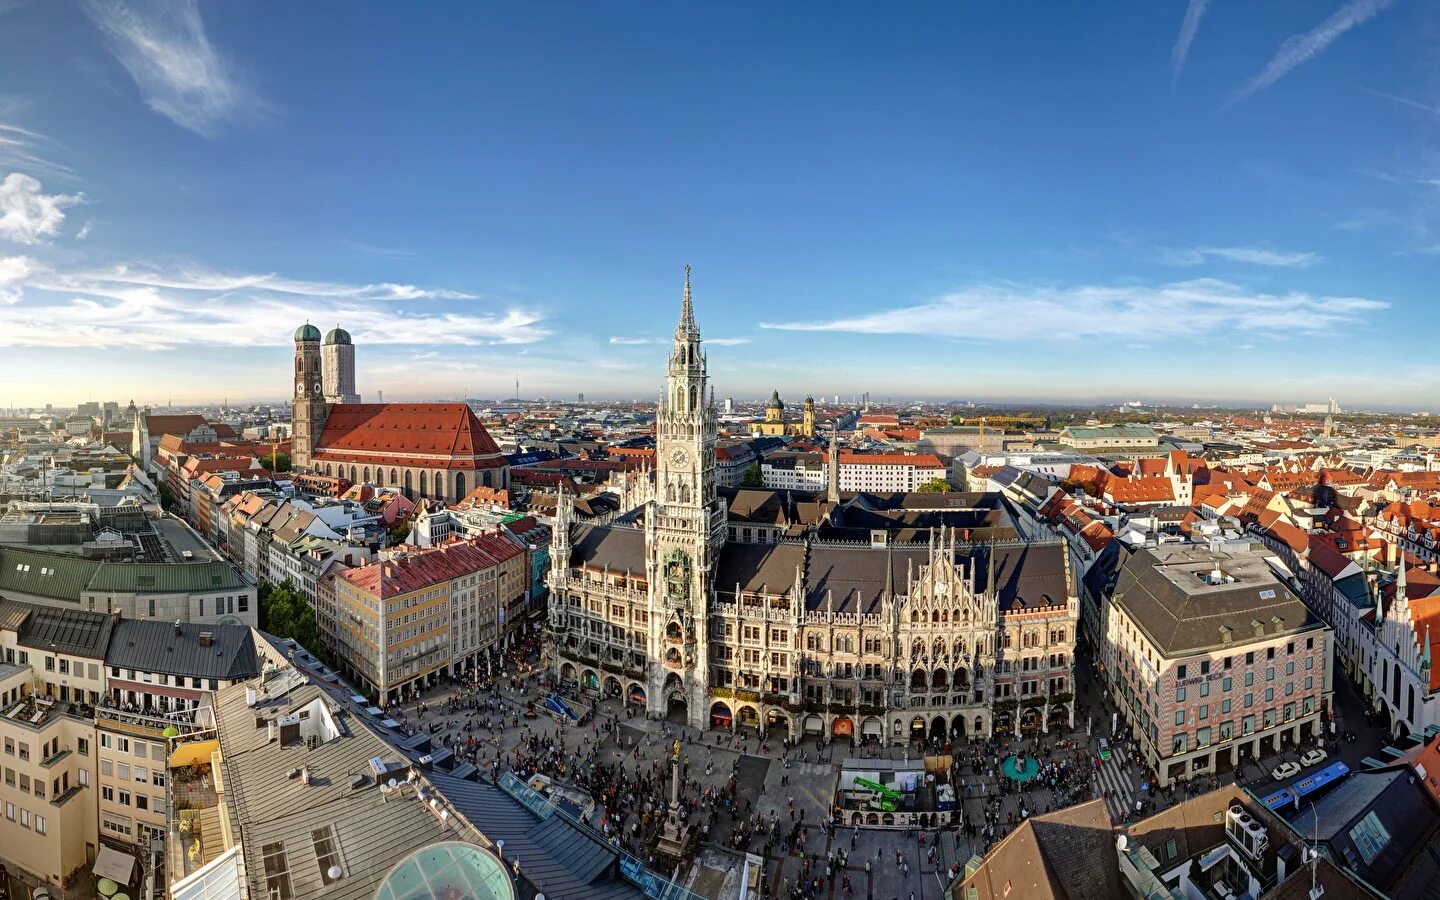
(355, 432)
(150, 645)
(72, 631)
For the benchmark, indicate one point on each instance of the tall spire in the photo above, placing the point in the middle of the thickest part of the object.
(1401, 595)
(1425, 657)
(687, 312)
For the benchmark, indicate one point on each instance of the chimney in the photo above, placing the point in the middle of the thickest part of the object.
(177, 627)
(206, 638)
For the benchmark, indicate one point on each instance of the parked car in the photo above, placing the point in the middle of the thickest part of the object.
(1312, 757)
(1104, 750)
(1285, 770)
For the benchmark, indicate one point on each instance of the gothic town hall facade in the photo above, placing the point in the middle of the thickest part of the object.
(882, 618)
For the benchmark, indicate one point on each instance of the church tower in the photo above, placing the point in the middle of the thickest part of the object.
(807, 423)
(684, 530)
(338, 365)
(308, 411)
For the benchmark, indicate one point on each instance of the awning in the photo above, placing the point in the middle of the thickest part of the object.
(114, 865)
(872, 727)
(844, 727)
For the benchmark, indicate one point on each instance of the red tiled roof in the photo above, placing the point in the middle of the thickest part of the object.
(1289, 535)
(406, 433)
(919, 460)
(181, 425)
(418, 571)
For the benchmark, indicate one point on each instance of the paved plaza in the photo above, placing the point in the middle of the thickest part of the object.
(753, 793)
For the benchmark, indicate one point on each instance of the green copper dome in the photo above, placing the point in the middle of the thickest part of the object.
(307, 332)
(775, 401)
(337, 335)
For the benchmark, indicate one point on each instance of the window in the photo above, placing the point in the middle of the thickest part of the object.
(1226, 683)
(107, 793)
(107, 742)
(82, 746)
(277, 871)
(1180, 672)
(1225, 705)
(25, 818)
(1204, 688)
(1180, 695)
(1179, 717)
(1204, 667)
(84, 775)
(124, 798)
(327, 852)
(39, 824)
(107, 768)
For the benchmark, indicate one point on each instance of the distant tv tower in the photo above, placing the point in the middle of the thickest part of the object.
(517, 385)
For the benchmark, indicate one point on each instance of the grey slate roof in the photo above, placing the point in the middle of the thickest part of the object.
(71, 631)
(150, 645)
(756, 566)
(1162, 591)
(267, 806)
(561, 861)
(598, 546)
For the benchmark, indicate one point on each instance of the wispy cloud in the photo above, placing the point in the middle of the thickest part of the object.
(27, 214)
(152, 308)
(377, 249)
(191, 278)
(164, 47)
(642, 341)
(631, 341)
(1188, 27)
(1257, 256)
(21, 148)
(1187, 310)
(1403, 101)
(1301, 48)
(727, 342)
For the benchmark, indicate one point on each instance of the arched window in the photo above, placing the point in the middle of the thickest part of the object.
(407, 485)
(459, 485)
(353, 478)
(366, 470)
(394, 478)
(423, 491)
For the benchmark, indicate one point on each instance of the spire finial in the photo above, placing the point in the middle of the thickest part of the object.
(687, 310)
(1425, 657)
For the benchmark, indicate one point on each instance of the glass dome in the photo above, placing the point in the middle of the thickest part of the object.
(447, 870)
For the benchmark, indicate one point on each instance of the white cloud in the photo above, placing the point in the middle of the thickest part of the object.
(1404, 101)
(1301, 48)
(727, 342)
(163, 45)
(200, 279)
(28, 216)
(1188, 27)
(13, 269)
(85, 230)
(641, 341)
(1189, 310)
(631, 341)
(155, 309)
(21, 149)
(1258, 256)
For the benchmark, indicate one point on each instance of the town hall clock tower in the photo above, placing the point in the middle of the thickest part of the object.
(684, 531)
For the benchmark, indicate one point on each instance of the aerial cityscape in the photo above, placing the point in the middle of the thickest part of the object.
(715, 453)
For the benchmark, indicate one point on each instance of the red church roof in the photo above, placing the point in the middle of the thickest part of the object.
(406, 434)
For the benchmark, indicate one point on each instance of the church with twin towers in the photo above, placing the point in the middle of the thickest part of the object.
(883, 618)
(431, 451)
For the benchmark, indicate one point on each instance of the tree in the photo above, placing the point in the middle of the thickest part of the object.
(399, 532)
(284, 612)
(167, 499)
(753, 477)
(934, 486)
(276, 462)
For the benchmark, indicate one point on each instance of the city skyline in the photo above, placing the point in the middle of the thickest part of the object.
(1246, 210)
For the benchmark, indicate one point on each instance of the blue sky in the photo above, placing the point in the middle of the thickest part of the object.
(1193, 201)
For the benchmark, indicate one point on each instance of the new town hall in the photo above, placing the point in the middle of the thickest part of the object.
(884, 617)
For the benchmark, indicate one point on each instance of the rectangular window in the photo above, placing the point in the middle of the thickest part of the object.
(277, 871)
(1180, 695)
(327, 852)
(1179, 717)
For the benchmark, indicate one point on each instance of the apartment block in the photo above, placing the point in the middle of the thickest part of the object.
(1207, 652)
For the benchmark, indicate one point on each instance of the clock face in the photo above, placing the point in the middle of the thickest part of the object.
(678, 457)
